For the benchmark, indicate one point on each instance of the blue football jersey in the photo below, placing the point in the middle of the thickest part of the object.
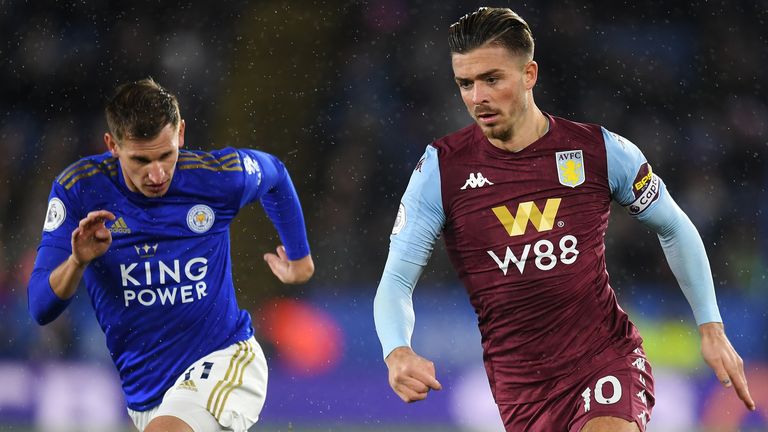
(163, 292)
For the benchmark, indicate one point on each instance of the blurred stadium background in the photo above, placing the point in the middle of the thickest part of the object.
(348, 94)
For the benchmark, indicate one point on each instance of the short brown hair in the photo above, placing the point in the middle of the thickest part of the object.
(140, 110)
(499, 26)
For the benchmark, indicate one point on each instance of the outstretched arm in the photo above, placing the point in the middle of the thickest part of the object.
(636, 187)
(410, 375)
(687, 258)
(267, 180)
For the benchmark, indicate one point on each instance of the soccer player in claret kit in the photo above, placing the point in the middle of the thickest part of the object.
(146, 226)
(522, 200)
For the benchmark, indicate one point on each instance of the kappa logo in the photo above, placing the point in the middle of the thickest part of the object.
(528, 211)
(639, 363)
(643, 398)
(644, 417)
(475, 181)
(120, 227)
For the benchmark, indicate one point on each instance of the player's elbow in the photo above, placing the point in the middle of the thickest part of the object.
(41, 315)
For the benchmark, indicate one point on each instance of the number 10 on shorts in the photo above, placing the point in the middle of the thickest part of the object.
(599, 395)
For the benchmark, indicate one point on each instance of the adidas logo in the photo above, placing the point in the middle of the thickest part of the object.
(476, 181)
(120, 227)
(187, 385)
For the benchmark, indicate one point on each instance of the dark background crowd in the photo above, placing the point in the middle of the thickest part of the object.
(348, 94)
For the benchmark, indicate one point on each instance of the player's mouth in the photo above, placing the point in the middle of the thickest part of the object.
(157, 189)
(487, 117)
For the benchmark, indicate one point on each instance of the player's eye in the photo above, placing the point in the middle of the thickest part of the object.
(492, 80)
(465, 84)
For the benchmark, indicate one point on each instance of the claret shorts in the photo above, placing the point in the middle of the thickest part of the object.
(620, 387)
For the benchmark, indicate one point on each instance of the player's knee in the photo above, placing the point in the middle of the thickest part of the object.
(167, 424)
(610, 424)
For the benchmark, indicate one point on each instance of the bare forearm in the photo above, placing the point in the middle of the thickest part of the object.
(66, 277)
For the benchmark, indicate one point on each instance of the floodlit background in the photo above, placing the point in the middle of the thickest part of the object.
(348, 94)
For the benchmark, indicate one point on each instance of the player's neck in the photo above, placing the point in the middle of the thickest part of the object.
(531, 126)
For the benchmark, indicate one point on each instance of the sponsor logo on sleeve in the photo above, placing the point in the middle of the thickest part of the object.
(570, 167)
(399, 220)
(252, 167)
(55, 215)
(646, 189)
(200, 218)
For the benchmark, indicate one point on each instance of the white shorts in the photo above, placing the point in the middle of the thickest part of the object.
(223, 391)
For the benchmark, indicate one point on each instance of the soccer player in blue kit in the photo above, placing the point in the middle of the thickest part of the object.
(146, 226)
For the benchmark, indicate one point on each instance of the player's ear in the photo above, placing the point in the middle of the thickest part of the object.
(181, 133)
(109, 140)
(530, 74)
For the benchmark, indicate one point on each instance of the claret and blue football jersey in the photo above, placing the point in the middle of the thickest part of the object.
(163, 291)
(525, 233)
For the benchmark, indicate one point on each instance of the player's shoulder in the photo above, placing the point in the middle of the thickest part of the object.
(458, 141)
(89, 169)
(226, 160)
(584, 131)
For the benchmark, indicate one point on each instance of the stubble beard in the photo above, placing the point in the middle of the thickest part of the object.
(500, 133)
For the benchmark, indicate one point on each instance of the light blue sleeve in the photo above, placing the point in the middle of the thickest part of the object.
(418, 224)
(634, 185)
(393, 304)
(420, 217)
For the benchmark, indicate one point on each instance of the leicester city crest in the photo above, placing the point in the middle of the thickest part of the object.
(200, 218)
(570, 167)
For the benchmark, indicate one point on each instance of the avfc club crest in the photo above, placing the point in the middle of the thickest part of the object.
(570, 167)
(200, 218)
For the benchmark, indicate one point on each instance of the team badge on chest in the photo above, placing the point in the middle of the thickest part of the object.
(570, 167)
(200, 218)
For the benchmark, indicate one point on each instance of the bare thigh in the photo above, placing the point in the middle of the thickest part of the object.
(610, 424)
(167, 424)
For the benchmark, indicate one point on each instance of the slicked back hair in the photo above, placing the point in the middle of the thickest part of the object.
(140, 110)
(497, 26)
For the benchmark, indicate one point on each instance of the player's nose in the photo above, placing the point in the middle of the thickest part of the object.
(156, 173)
(479, 94)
